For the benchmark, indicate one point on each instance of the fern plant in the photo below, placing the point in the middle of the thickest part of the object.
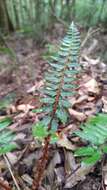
(94, 132)
(59, 85)
(59, 80)
(6, 137)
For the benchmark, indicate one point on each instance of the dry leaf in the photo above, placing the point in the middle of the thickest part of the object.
(79, 100)
(77, 115)
(104, 100)
(92, 86)
(25, 107)
(64, 142)
(78, 175)
(12, 158)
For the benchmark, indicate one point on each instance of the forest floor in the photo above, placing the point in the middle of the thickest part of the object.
(21, 77)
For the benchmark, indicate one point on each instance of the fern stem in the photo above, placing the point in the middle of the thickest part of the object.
(39, 170)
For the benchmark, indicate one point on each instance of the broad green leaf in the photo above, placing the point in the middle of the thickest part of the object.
(49, 92)
(62, 115)
(7, 148)
(85, 151)
(63, 53)
(54, 138)
(68, 79)
(71, 72)
(100, 119)
(47, 109)
(5, 122)
(47, 100)
(57, 66)
(92, 159)
(39, 131)
(46, 120)
(6, 137)
(69, 86)
(67, 93)
(52, 79)
(39, 110)
(64, 103)
(87, 137)
(54, 125)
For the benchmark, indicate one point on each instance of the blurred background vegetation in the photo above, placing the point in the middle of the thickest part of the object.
(37, 16)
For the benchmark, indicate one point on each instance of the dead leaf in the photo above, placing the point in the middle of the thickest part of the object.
(104, 100)
(79, 100)
(64, 142)
(77, 115)
(12, 158)
(70, 164)
(25, 107)
(78, 175)
(92, 86)
(37, 86)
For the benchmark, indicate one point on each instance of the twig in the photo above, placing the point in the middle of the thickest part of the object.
(4, 186)
(9, 167)
(89, 34)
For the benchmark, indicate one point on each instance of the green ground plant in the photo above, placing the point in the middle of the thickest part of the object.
(6, 137)
(60, 83)
(94, 131)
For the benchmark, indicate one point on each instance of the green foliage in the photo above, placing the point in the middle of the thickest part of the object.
(40, 132)
(95, 132)
(46, 13)
(7, 100)
(6, 136)
(59, 82)
(90, 13)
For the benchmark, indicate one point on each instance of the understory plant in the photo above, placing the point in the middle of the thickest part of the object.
(94, 132)
(6, 137)
(60, 83)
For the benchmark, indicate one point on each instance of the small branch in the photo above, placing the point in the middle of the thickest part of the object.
(89, 34)
(9, 167)
(4, 186)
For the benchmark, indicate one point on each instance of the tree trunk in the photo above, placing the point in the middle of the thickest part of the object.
(5, 22)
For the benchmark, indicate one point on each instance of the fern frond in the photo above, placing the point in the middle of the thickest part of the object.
(59, 80)
(59, 84)
(95, 130)
(6, 137)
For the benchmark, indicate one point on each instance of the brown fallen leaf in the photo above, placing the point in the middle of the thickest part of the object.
(70, 163)
(64, 142)
(77, 115)
(37, 86)
(25, 107)
(12, 158)
(104, 100)
(78, 175)
(81, 99)
(92, 86)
